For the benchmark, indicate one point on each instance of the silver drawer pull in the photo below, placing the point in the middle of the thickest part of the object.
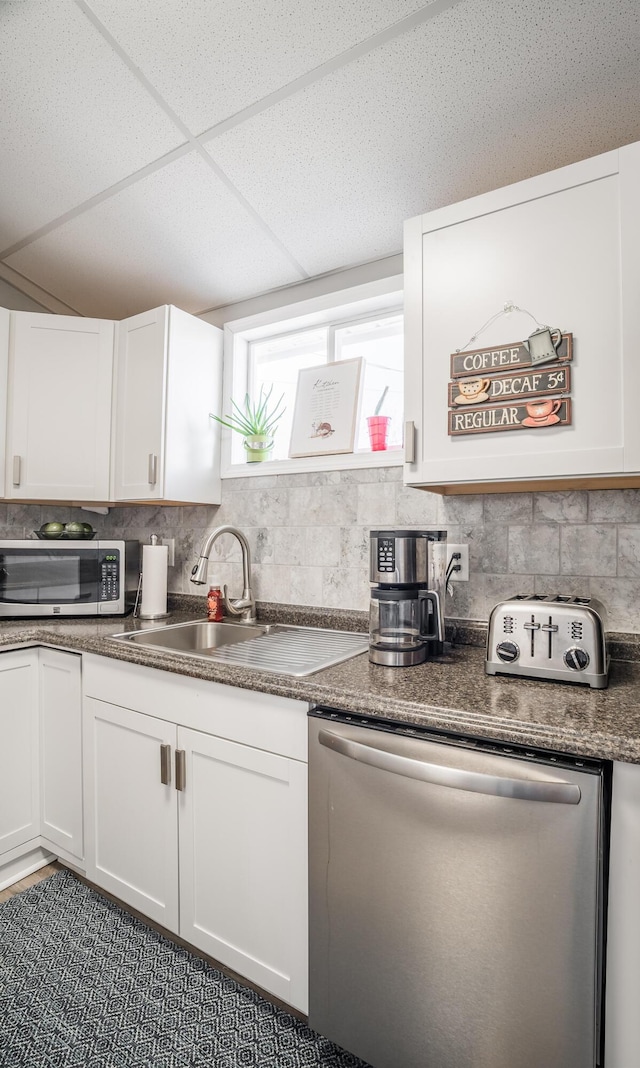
(181, 775)
(410, 442)
(165, 764)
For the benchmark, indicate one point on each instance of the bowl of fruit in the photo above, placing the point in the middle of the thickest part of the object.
(74, 530)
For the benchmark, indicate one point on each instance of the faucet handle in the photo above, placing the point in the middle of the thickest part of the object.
(242, 607)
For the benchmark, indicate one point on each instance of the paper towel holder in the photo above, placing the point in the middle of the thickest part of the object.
(138, 603)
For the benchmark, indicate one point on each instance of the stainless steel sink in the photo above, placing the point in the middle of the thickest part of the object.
(284, 650)
(200, 637)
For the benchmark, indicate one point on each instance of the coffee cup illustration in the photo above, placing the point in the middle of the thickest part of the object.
(474, 389)
(542, 412)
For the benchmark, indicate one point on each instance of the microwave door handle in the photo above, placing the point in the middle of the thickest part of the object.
(563, 793)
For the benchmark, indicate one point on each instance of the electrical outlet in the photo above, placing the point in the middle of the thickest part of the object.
(171, 545)
(463, 574)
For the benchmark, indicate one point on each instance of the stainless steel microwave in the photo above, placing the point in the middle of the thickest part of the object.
(68, 578)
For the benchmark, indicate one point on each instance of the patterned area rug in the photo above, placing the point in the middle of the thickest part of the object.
(82, 983)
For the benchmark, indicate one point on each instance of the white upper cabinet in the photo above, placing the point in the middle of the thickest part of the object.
(59, 407)
(168, 380)
(565, 246)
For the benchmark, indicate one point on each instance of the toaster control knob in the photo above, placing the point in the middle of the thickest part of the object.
(577, 659)
(508, 652)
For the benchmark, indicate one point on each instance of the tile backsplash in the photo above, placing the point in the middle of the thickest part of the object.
(309, 538)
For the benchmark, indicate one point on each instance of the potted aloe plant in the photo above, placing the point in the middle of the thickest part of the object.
(256, 422)
(379, 425)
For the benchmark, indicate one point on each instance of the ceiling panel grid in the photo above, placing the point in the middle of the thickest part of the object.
(203, 151)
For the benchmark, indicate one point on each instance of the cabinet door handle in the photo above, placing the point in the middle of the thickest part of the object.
(165, 764)
(153, 469)
(410, 442)
(180, 769)
(17, 464)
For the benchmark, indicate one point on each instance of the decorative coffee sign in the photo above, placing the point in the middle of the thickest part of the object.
(531, 395)
(549, 411)
(485, 361)
(512, 385)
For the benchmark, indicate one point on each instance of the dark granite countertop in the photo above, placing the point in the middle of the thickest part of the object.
(451, 693)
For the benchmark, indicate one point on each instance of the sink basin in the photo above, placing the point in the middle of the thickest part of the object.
(195, 637)
(284, 650)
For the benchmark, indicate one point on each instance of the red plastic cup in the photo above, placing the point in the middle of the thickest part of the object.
(378, 431)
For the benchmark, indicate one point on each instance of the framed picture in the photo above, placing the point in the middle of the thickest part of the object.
(326, 409)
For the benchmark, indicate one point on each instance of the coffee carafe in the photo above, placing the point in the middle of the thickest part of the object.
(408, 579)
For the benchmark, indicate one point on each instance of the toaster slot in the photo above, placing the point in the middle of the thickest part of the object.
(532, 627)
(550, 629)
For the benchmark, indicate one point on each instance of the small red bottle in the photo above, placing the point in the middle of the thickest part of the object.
(214, 605)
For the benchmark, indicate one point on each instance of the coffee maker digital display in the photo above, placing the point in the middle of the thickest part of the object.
(386, 555)
(408, 580)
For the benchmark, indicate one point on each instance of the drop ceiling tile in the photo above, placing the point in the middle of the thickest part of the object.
(74, 118)
(475, 99)
(210, 60)
(178, 236)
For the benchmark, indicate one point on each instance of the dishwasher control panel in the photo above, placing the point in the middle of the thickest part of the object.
(549, 637)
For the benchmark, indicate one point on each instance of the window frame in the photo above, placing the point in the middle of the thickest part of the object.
(367, 301)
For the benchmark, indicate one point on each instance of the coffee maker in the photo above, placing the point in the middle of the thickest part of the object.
(407, 571)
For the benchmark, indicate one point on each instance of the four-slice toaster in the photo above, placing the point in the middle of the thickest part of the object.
(549, 637)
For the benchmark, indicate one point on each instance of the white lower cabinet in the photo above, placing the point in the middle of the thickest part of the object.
(20, 776)
(622, 1029)
(196, 815)
(41, 747)
(243, 881)
(131, 816)
(61, 752)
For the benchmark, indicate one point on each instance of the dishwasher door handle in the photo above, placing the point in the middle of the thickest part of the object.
(562, 793)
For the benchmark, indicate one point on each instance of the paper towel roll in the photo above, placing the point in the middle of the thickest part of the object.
(155, 559)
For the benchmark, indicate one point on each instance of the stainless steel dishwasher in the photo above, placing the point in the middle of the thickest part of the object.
(456, 894)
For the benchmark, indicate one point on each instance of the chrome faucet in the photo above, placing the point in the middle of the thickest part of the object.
(243, 607)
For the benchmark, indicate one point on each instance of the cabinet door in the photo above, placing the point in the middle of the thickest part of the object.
(194, 388)
(622, 1028)
(131, 833)
(168, 380)
(555, 246)
(243, 861)
(5, 318)
(59, 426)
(19, 778)
(141, 376)
(61, 750)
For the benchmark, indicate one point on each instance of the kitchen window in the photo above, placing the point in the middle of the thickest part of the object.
(268, 352)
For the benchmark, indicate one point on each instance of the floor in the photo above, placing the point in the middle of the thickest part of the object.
(29, 880)
(50, 869)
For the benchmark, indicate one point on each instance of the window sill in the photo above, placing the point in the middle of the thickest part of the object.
(306, 464)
